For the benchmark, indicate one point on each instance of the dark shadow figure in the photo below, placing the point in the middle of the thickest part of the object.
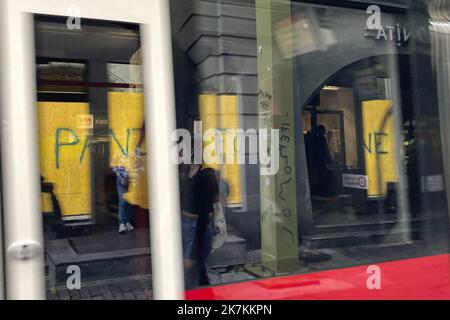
(318, 159)
(52, 221)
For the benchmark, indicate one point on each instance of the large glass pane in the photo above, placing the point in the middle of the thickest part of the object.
(92, 159)
(326, 137)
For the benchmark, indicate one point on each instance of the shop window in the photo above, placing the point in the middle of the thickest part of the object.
(92, 160)
(349, 177)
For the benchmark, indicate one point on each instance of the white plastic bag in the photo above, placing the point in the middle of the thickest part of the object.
(219, 226)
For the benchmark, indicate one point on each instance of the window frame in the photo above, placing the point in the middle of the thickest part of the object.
(20, 161)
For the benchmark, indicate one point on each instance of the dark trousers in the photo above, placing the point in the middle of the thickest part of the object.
(198, 275)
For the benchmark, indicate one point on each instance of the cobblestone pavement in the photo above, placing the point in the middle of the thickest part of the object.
(129, 288)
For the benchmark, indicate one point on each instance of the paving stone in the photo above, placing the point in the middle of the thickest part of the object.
(134, 286)
(116, 292)
(129, 296)
(64, 294)
(214, 278)
(144, 284)
(52, 296)
(94, 291)
(106, 293)
(235, 277)
(85, 294)
(149, 294)
(74, 292)
(140, 295)
(76, 297)
(119, 296)
(51, 293)
(125, 287)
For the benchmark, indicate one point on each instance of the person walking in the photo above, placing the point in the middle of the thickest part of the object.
(125, 213)
(200, 191)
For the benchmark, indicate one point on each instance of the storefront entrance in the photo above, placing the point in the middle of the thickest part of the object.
(350, 144)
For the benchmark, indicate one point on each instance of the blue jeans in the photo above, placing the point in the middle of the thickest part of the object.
(198, 276)
(125, 209)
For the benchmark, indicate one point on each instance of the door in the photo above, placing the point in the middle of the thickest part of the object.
(82, 79)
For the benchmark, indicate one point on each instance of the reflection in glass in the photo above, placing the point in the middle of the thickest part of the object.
(357, 182)
(92, 160)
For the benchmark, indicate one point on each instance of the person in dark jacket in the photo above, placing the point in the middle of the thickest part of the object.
(318, 160)
(53, 220)
(200, 191)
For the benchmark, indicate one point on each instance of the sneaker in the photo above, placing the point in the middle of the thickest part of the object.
(122, 228)
(129, 226)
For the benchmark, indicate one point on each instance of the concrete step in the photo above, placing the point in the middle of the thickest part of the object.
(110, 255)
(103, 256)
(355, 238)
(385, 224)
(232, 253)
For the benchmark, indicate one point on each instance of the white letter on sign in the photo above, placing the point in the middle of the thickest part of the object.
(74, 280)
(374, 280)
(374, 21)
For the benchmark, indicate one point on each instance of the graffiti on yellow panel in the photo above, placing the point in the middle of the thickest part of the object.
(379, 145)
(64, 156)
(221, 112)
(126, 118)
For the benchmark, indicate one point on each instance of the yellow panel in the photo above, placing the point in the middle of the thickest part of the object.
(221, 112)
(210, 117)
(64, 156)
(379, 145)
(126, 118)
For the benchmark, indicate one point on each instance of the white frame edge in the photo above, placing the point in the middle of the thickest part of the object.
(20, 162)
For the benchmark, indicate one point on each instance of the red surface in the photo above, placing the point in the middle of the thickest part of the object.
(418, 278)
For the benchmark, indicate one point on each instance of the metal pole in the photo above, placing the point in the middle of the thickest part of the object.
(167, 263)
(20, 167)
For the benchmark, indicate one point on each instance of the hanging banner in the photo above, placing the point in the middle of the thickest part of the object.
(126, 118)
(379, 145)
(64, 157)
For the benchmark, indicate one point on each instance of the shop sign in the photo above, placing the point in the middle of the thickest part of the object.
(397, 33)
(355, 181)
(85, 121)
(375, 29)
